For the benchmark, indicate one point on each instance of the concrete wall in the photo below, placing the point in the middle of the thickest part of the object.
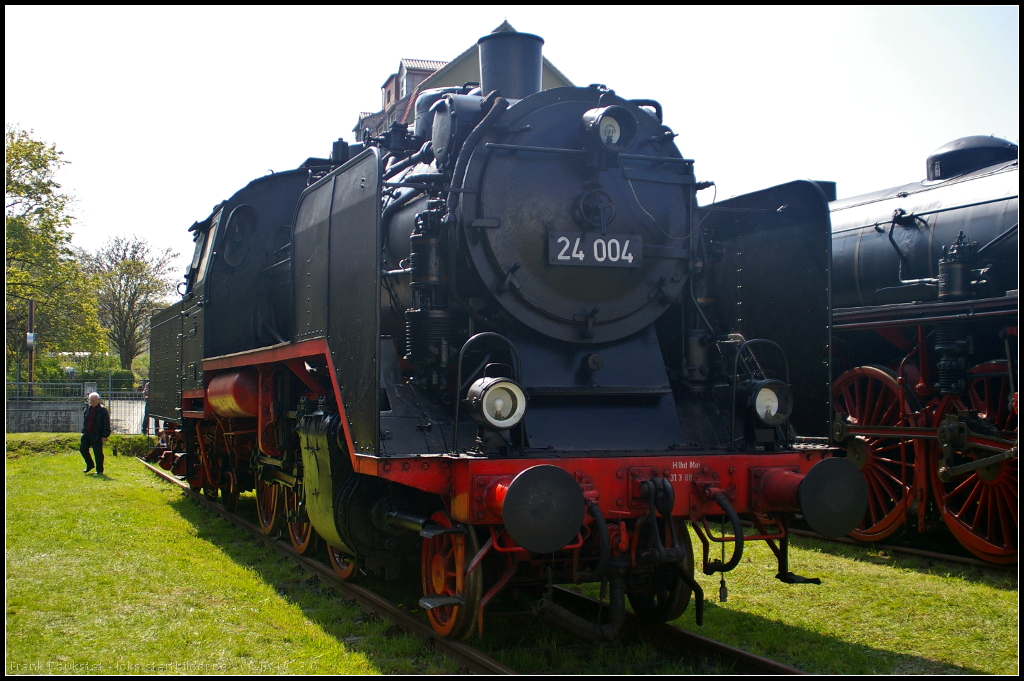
(53, 416)
(44, 416)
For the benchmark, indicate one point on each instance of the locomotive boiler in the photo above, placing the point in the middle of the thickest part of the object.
(506, 347)
(925, 316)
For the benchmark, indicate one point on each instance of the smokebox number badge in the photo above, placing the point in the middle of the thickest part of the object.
(589, 249)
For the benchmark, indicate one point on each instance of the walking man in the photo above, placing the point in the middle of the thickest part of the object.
(95, 431)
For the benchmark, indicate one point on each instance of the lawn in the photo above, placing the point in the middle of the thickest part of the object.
(872, 614)
(122, 574)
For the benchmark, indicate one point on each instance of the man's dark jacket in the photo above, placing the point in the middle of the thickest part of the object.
(102, 421)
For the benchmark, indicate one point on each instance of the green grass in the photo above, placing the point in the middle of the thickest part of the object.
(872, 614)
(126, 571)
(122, 574)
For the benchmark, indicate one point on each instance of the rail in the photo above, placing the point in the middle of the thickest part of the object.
(667, 636)
(909, 550)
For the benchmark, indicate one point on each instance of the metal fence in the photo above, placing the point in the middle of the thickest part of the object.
(58, 407)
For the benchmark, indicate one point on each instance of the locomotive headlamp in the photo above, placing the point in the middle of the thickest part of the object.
(613, 127)
(496, 402)
(771, 401)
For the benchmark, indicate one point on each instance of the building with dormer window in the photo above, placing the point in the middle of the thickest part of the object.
(399, 92)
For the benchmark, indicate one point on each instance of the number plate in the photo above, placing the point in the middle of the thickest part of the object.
(590, 249)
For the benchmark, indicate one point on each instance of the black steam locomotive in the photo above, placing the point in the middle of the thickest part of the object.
(509, 346)
(926, 309)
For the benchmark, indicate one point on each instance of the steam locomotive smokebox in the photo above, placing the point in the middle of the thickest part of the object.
(511, 64)
(543, 508)
(833, 497)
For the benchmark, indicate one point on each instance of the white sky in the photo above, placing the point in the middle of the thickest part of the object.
(165, 112)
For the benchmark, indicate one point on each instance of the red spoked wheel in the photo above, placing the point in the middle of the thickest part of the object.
(344, 566)
(870, 396)
(268, 506)
(301, 534)
(443, 567)
(980, 506)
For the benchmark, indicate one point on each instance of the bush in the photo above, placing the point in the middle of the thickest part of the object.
(51, 444)
(131, 445)
(122, 379)
(105, 381)
(41, 444)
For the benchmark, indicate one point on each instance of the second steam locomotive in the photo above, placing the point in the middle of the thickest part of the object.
(926, 307)
(505, 347)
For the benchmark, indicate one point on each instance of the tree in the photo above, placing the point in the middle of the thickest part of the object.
(40, 264)
(134, 283)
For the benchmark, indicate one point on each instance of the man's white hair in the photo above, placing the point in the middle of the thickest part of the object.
(96, 395)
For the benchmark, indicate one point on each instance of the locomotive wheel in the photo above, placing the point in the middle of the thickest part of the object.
(670, 594)
(443, 569)
(229, 490)
(268, 506)
(302, 535)
(980, 507)
(344, 566)
(870, 396)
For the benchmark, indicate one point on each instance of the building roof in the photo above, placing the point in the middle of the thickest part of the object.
(472, 53)
(422, 64)
(404, 108)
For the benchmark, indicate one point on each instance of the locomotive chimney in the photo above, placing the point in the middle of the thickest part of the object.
(510, 62)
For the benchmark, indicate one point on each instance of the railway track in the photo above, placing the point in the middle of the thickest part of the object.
(911, 551)
(671, 643)
(684, 643)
